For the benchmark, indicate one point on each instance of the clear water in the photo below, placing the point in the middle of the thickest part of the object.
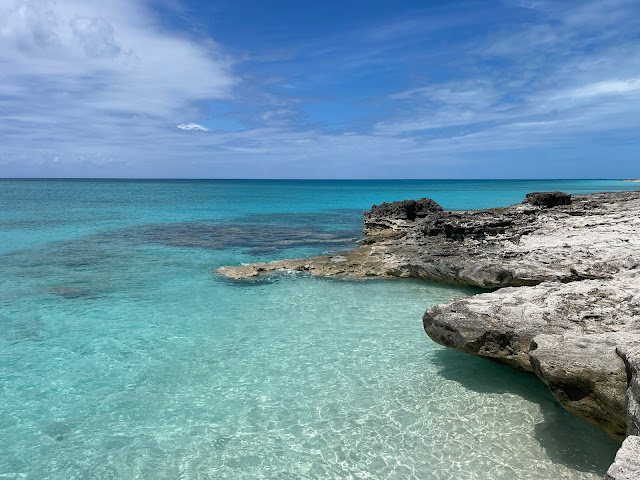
(122, 356)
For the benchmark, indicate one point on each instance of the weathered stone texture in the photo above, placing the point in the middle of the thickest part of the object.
(570, 314)
(627, 463)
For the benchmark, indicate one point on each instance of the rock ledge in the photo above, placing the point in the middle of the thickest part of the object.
(568, 308)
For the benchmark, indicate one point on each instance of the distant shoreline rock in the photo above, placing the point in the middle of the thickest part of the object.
(548, 199)
(574, 321)
(594, 237)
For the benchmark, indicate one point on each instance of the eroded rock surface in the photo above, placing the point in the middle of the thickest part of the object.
(595, 236)
(548, 199)
(627, 463)
(585, 375)
(570, 312)
(398, 215)
(567, 334)
(630, 353)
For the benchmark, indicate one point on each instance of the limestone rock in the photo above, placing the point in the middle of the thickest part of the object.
(594, 237)
(585, 375)
(570, 314)
(548, 199)
(484, 328)
(397, 215)
(627, 463)
(630, 353)
(565, 333)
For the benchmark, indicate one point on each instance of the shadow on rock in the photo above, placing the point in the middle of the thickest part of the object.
(566, 439)
(573, 442)
(485, 376)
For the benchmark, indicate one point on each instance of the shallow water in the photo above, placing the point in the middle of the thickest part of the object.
(122, 356)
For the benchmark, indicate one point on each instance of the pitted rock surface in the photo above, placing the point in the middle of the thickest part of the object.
(398, 215)
(567, 334)
(627, 463)
(594, 237)
(571, 309)
(548, 199)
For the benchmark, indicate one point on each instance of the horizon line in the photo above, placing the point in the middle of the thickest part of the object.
(310, 179)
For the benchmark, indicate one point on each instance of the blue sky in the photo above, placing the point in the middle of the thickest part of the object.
(294, 89)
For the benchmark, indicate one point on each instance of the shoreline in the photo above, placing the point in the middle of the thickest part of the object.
(567, 304)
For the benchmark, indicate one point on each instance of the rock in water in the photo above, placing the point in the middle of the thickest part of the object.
(574, 319)
(566, 334)
(594, 237)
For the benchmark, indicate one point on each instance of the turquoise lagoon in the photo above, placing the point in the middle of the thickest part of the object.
(122, 356)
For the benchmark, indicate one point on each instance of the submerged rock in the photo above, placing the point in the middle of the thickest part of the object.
(71, 292)
(256, 238)
(59, 431)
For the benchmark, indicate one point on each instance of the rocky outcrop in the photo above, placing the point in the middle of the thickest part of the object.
(568, 308)
(548, 199)
(627, 463)
(585, 375)
(593, 237)
(567, 334)
(630, 353)
(398, 215)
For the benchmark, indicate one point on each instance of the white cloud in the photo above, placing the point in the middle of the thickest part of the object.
(606, 87)
(103, 60)
(192, 126)
(95, 83)
(446, 104)
(564, 68)
(96, 36)
(99, 86)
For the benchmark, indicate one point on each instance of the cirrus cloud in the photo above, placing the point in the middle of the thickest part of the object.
(110, 88)
(192, 126)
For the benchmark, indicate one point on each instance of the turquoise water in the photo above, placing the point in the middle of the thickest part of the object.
(122, 356)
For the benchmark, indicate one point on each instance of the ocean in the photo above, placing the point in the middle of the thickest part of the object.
(123, 356)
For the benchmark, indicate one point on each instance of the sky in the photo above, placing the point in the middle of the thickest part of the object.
(324, 89)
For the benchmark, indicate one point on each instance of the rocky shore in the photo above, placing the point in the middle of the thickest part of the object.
(568, 304)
